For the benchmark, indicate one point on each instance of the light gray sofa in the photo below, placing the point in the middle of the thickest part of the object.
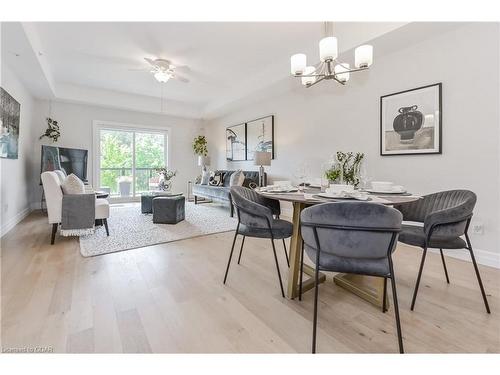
(222, 193)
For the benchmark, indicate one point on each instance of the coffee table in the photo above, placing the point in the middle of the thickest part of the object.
(147, 199)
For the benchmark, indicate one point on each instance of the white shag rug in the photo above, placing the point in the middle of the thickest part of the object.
(130, 229)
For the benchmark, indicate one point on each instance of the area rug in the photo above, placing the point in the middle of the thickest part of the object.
(129, 229)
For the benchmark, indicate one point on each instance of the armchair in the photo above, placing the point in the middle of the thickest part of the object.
(57, 202)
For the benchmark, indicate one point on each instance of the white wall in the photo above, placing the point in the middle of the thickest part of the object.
(311, 124)
(76, 120)
(15, 173)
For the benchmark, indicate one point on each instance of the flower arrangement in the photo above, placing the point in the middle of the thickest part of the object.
(200, 146)
(52, 130)
(345, 168)
(165, 176)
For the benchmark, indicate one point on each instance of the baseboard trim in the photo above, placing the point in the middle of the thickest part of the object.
(483, 257)
(6, 227)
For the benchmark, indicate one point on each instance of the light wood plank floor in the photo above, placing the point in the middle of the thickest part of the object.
(170, 298)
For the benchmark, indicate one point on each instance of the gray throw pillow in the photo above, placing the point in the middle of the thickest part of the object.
(237, 178)
(205, 177)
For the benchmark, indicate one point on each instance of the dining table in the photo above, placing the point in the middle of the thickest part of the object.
(369, 288)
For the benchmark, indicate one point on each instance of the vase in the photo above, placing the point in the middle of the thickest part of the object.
(407, 123)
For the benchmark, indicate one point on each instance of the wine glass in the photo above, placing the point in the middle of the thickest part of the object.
(300, 175)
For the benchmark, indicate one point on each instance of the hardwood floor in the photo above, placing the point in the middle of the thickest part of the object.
(170, 298)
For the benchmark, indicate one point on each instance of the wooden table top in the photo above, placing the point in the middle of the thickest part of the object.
(298, 197)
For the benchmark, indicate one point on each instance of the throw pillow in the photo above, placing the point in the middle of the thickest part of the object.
(205, 178)
(237, 178)
(73, 185)
(216, 179)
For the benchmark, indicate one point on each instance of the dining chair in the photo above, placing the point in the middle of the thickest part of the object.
(256, 220)
(351, 237)
(446, 217)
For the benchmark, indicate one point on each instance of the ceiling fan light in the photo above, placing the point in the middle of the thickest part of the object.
(328, 48)
(339, 72)
(363, 56)
(298, 63)
(162, 76)
(308, 80)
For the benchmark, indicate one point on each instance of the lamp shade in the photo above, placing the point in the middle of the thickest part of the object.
(339, 69)
(262, 158)
(308, 80)
(328, 48)
(162, 76)
(203, 160)
(298, 63)
(363, 56)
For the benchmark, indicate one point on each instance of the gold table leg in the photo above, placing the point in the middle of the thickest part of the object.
(295, 250)
(370, 288)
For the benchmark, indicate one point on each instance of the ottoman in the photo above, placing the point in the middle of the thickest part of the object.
(168, 210)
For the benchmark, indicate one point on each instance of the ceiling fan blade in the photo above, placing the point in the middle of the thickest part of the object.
(150, 61)
(180, 78)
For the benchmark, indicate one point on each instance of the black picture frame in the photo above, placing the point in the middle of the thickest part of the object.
(241, 128)
(408, 109)
(250, 123)
(245, 125)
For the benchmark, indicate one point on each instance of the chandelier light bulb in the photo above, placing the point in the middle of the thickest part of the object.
(298, 63)
(308, 80)
(328, 48)
(363, 56)
(339, 72)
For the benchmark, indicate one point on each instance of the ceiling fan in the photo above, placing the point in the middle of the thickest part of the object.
(163, 70)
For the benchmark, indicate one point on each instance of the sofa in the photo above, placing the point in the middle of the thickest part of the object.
(222, 193)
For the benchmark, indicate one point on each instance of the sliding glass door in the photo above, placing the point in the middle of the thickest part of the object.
(128, 159)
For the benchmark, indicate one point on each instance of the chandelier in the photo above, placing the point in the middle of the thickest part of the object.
(329, 67)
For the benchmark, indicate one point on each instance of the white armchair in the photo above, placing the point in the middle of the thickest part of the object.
(54, 199)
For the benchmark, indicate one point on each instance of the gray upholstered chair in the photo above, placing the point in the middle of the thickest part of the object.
(255, 219)
(446, 217)
(351, 237)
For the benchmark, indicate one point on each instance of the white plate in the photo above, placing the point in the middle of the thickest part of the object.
(334, 196)
(386, 191)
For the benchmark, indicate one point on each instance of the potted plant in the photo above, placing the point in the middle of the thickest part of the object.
(124, 184)
(345, 168)
(200, 146)
(166, 176)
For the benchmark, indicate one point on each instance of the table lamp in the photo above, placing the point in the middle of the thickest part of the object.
(203, 162)
(262, 159)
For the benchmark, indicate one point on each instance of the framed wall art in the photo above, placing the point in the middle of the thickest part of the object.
(411, 121)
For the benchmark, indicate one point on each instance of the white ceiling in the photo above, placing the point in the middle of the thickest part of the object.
(90, 62)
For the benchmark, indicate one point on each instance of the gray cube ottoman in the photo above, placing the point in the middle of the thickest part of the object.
(168, 210)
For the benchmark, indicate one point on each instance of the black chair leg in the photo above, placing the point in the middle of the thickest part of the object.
(444, 266)
(384, 301)
(230, 255)
(54, 231)
(105, 222)
(286, 254)
(278, 268)
(418, 279)
(477, 274)
(396, 313)
(301, 270)
(241, 249)
(316, 295)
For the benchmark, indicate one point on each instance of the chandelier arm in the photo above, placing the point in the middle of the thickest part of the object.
(317, 81)
(336, 79)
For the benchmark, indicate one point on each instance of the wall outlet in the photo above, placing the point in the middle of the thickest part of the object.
(477, 228)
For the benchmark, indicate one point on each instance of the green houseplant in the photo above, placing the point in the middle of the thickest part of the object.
(200, 146)
(52, 130)
(345, 168)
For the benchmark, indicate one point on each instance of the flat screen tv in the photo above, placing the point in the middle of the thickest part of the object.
(69, 160)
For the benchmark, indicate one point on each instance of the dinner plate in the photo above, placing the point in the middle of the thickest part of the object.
(385, 191)
(335, 196)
